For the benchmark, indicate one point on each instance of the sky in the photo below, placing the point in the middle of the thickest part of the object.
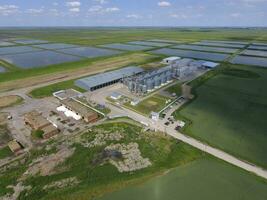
(243, 13)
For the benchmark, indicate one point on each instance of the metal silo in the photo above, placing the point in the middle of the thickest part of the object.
(130, 85)
(169, 76)
(157, 81)
(163, 78)
(144, 88)
(150, 84)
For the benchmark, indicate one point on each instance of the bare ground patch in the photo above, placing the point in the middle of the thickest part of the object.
(45, 165)
(7, 101)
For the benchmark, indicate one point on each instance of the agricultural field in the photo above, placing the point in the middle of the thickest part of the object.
(250, 60)
(230, 111)
(191, 54)
(153, 103)
(207, 178)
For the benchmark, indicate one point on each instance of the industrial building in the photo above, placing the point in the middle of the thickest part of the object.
(37, 122)
(146, 82)
(98, 81)
(14, 146)
(170, 60)
(86, 114)
(177, 69)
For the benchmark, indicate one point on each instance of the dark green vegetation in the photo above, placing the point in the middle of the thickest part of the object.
(4, 134)
(230, 111)
(5, 152)
(203, 179)
(153, 103)
(176, 88)
(37, 134)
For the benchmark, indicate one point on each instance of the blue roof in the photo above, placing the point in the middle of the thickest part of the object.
(102, 78)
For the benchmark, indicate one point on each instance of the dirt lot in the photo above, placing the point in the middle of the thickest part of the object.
(95, 67)
(9, 100)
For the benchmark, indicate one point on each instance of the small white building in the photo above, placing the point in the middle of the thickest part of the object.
(155, 116)
(210, 64)
(135, 102)
(115, 96)
(170, 60)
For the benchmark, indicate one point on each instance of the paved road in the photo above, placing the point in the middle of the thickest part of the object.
(217, 153)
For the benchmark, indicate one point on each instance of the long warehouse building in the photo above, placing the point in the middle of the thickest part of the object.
(98, 81)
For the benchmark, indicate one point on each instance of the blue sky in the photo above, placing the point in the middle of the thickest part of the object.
(133, 13)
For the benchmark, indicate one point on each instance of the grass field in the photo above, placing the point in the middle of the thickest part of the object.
(203, 179)
(153, 103)
(176, 88)
(230, 112)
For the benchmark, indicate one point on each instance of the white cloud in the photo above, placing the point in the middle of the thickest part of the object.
(73, 4)
(55, 3)
(164, 4)
(34, 11)
(236, 15)
(101, 10)
(179, 16)
(134, 16)
(101, 1)
(8, 9)
(254, 1)
(112, 9)
(95, 9)
(75, 10)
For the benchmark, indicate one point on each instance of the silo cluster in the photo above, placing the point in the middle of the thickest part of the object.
(148, 81)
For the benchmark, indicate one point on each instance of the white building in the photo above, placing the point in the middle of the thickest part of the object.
(170, 60)
(155, 116)
(115, 95)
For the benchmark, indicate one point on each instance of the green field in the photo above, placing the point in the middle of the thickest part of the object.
(230, 112)
(176, 88)
(153, 103)
(204, 179)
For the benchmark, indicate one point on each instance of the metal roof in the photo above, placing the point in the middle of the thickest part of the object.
(210, 64)
(100, 79)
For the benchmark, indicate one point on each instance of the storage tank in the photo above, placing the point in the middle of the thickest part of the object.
(157, 81)
(144, 88)
(130, 85)
(150, 84)
(163, 78)
(169, 76)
